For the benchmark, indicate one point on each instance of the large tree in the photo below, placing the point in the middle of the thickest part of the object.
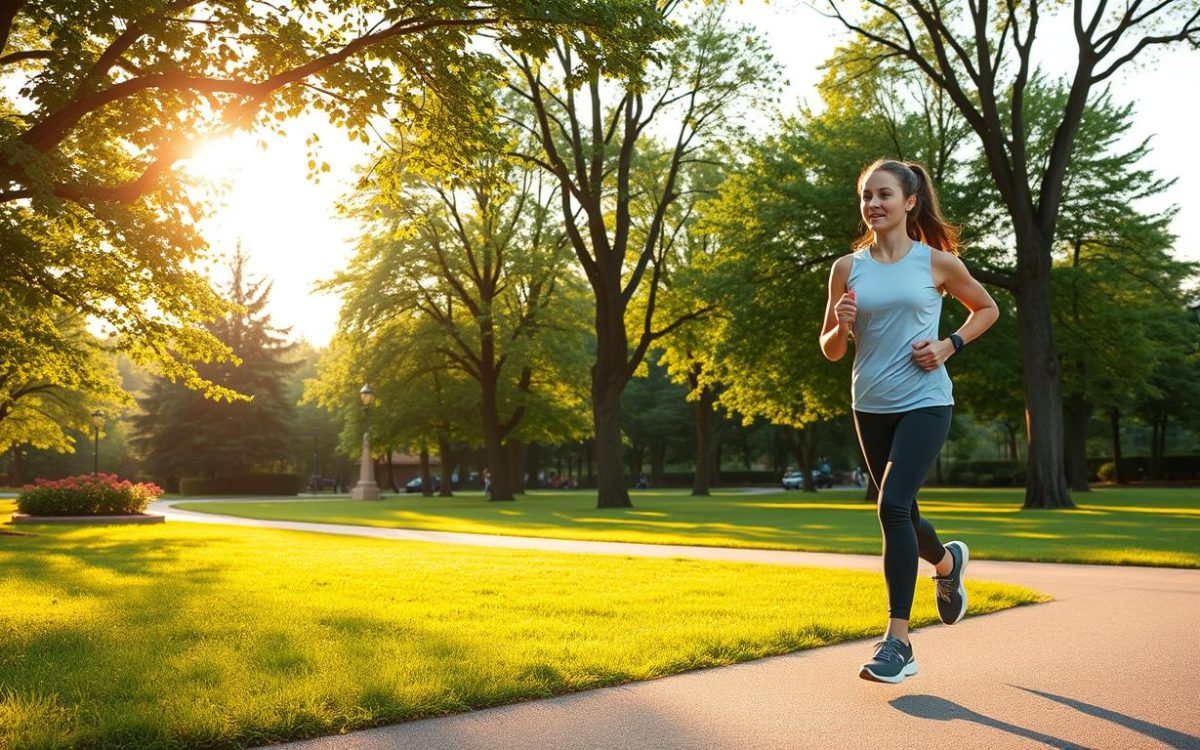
(595, 126)
(181, 431)
(104, 98)
(981, 55)
(478, 262)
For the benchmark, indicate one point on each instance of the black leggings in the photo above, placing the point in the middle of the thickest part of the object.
(899, 450)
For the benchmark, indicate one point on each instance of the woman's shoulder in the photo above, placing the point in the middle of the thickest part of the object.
(841, 266)
(944, 259)
(847, 260)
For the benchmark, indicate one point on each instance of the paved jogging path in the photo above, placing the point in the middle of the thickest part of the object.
(1113, 662)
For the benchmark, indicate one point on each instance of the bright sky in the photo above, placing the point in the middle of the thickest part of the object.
(286, 224)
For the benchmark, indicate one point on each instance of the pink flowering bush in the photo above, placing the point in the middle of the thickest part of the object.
(87, 495)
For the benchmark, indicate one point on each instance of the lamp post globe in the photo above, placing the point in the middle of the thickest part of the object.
(97, 423)
(366, 489)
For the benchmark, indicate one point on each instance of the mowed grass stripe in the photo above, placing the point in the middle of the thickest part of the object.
(1109, 526)
(190, 636)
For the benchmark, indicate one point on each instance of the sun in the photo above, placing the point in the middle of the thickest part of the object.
(216, 162)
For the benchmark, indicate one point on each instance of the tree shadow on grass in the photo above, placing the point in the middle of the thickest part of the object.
(940, 709)
(1169, 737)
(43, 560)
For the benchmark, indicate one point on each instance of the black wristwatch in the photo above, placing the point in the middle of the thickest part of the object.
(957, 341)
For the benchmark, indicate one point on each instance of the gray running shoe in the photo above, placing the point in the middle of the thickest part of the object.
(892, 663)
(951, 594)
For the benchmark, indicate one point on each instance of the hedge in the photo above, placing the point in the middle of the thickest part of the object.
(1138, 467)
(243, 484)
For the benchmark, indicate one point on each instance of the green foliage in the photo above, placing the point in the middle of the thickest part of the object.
(655, 417)
(53, 374)
(102, 99)
(316, 434)
(87, 495)
(180, 432)
(624, 149)
(460, 308)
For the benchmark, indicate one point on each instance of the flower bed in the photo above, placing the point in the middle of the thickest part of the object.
(87, 495)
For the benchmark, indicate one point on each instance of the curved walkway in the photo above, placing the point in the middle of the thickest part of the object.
(1112, 662)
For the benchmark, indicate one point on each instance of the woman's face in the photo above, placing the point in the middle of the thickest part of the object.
(882, 201)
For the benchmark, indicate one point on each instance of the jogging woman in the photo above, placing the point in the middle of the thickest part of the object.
(887, 296)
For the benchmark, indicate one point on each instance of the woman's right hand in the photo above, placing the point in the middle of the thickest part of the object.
(846, 311)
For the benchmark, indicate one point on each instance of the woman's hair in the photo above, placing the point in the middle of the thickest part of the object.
(925, 221)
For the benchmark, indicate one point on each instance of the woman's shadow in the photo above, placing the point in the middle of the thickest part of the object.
(940, 709)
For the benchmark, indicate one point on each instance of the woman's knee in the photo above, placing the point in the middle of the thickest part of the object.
(894, 509)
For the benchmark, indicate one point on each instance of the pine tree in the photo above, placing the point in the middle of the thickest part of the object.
(182, 433)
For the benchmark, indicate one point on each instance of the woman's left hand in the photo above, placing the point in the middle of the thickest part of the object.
(930, 355)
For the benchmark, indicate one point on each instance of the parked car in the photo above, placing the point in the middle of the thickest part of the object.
(794, 480)
(414, 484)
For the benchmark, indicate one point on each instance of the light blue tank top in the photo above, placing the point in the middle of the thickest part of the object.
(898, 305)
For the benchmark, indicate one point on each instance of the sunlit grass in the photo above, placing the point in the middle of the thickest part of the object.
(1111, 526)
(195, 636)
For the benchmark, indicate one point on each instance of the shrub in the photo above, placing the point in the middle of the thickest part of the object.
(87, 495)
(191, 486)
(1107, 471)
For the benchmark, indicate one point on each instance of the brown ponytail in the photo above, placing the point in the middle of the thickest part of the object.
(925, 221)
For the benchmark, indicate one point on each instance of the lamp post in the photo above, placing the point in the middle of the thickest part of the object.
(366, 489)
(97, 423)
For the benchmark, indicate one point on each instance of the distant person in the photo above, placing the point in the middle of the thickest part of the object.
(487, 484)
(643, 482)
(887, 296)
(859, 478)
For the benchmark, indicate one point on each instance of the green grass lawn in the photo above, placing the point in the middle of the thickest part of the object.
(195, 636)
(1115, 526)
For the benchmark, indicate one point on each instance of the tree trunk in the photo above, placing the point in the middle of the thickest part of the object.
(497, 458)
(1114, 422)
(1079, 412)
(702, 413)
(805, 450)
(426, 474)
(1158, 446)
(611, 490)
(20, 468)
(658, 464)
(1045, 478)
(391, 473)
(444, 455)
(637, 457)
(608, 380)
